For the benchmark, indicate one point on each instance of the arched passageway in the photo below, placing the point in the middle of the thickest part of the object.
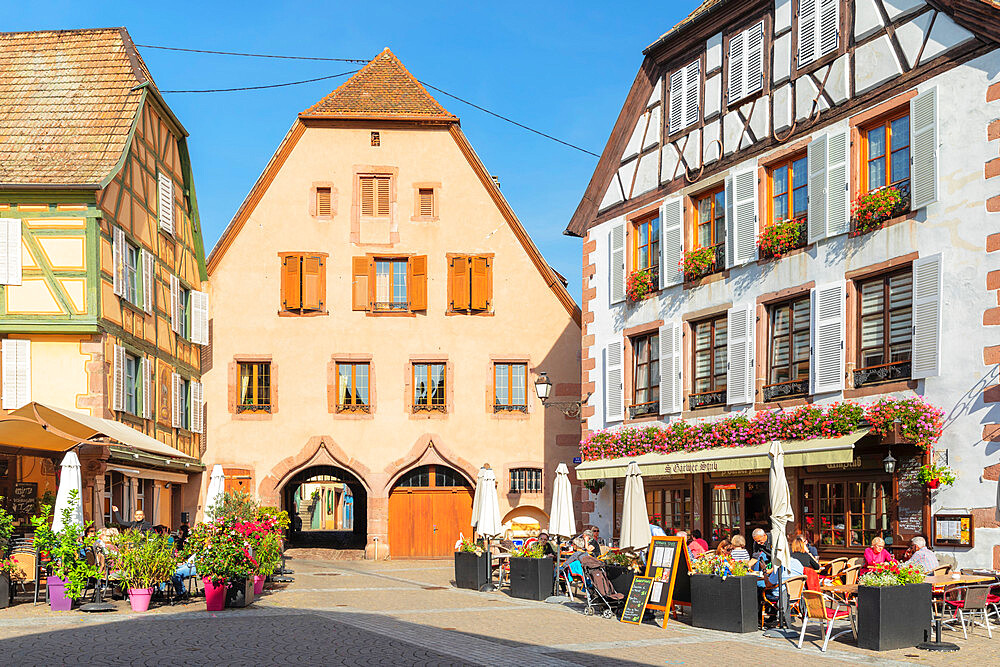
(328, 506)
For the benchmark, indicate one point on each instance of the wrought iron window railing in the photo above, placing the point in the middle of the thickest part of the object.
(897, 370)
(788, 389)
(390, 306)
(502, 407)
(707, 399)
(424, 407)
(642, 410)
(354, 407)
(242, 407)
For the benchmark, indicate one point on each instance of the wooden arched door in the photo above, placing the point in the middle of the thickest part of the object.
(428, 509)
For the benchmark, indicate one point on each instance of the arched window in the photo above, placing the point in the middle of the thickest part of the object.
(432, 476)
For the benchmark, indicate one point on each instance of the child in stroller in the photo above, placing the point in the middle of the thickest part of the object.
(588, 573)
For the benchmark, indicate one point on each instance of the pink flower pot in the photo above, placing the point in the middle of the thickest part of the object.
(139, 598)
(58, 601)
(258, 584)
(215, 596)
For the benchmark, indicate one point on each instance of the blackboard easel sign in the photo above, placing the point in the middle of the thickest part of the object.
(668, 565)
(635, 603)
(24, 497)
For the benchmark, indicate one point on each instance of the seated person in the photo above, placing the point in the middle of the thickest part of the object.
(724, 548)
(739, 550)
(656, 531)
(184, 570)
(775, 577)
(760, 548)
(597, 540)
(876, 554)
(800, 552)
(696, 537)
(694, 549)
(547, 548)
(922, 557)
(806, 536)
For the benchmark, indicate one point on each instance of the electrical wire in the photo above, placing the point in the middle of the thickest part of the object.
(272, 85)
(251, 55)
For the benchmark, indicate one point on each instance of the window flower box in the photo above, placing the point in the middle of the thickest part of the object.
(873, 208)
(700, 262)
(782, 237)
(641, 284)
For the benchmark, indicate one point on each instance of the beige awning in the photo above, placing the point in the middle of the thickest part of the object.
(819, 451)
(145, 473)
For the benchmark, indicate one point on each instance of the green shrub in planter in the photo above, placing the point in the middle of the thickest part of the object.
(66, 548)
(144, 559)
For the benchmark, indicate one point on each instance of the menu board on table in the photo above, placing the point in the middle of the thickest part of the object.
(668, 565)
(910, 498)
(635, 603)
(22, 502)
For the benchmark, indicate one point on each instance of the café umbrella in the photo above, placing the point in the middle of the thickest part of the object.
(635, 533)
(781, 516)
(216, 490)
(562, 519)
(486, 517)
(69, 481)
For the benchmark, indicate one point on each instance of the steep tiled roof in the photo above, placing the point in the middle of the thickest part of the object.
(66, 104)
(382, 89)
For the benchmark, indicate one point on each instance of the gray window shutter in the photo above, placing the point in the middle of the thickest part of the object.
(10, 252)
(165, 199)
(828, 36)
(923, 149)
(737, 67)
(754, 60)
(672, 242)
(730, 225)
(148, 269)
(816, 164)
(118, 395)
(16, 360)
(147, 387)
(118, 259)
(838, 207)
(671, 384)
(828, 321)
(745, 210)
(808, 24)
(614, 382)
(175, 301)
(926, 356)
(676, 121)
(197, 408)
(616, 270)
(740, 348)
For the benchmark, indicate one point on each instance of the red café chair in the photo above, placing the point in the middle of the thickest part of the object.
(812, 579)
(824, 610)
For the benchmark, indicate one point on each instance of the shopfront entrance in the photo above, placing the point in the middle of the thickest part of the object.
(737, 507)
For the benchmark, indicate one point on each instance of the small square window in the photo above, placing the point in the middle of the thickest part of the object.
(323, 201)
(526, 480)
(376, 140)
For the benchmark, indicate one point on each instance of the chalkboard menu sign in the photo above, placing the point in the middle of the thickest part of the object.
(668, 565)
(635, 603)
(909, 497)
(23, 500)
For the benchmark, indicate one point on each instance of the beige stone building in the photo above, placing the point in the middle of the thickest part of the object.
(380, 317)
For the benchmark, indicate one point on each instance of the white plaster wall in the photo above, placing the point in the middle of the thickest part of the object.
(956, 226)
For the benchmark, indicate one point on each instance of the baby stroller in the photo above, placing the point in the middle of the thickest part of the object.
(588, 573)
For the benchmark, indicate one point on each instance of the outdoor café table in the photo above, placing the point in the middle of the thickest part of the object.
(943, 580)
(842, 592)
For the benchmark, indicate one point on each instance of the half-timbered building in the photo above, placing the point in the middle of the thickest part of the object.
(811, 186)
(102, 316)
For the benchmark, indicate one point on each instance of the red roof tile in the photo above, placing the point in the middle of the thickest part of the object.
(382, 89)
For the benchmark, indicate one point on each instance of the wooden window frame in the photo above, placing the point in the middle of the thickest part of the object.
(429, 406)
(846, 35)
(884, 121)
(771, 310)
(376, 211)
(393, 261)
(657, 502)
(884, 277)
(652, 257)
(509, 405)
(786, 164)
(712, 346)
(529, 487)
(637, 409)
(354, 406)
(696, 200)
(817, 529)
(256, 406)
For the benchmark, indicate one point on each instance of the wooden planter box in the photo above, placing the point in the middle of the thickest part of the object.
(531, 578)
(621, 578)
(471, 571)
(728, 604)
(240, 593)
(891, 617)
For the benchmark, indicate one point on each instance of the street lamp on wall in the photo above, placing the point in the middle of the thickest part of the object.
(543, 389)
(890, 463)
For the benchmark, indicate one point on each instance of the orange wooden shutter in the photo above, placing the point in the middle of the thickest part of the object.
(312, 282)
(418, 282)
(383, 195)
(359, 299)
(459, 283)
(480, 293)
(426, 202)
(368, 195)
(322, 201)
(291, 283)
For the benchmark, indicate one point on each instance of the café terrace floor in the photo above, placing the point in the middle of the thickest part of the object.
(406, 612)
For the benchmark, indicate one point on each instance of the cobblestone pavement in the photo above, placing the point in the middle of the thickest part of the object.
(404, 613)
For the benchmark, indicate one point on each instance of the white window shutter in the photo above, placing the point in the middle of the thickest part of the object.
(923, 149)
(826, 369)
(10, 252)
(617, 267)
(199, 318)
(614, 382)
(730, 224)
(740, 350)
(175, 303)
(808, 25)
(672, 242)
(737, 66)
(176, 388)
(745, 212)
(754, 70)
(147, 387)
(118, 375)
(148, 269)
(926, 355)
(816, 165)
(118, 260)
(676, 118)
(838, 205)
(166, 202)
(828, 33)
(692, 93)
(197, 407)
(16, 359)
(671, 384)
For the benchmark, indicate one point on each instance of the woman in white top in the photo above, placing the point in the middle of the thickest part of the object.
(739, 551)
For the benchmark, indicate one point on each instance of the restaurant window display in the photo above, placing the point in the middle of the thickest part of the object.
(847, 513)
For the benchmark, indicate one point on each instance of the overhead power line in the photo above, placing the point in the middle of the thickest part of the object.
(252, 55)
(270, 85)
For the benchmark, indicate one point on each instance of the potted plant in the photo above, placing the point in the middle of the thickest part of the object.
(6, 528)
(933, 476)
(69, 569)
(723, 595)
(894, 607)
(777, 239)
(9, 572)
(640, 284)
(472, 566)
(698, 263)
(873, 208)
(217, 555)
(594, 485)
(531, 573)
(143, 561)
(262, 548)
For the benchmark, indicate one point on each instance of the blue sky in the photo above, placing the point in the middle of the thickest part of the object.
(563, 68)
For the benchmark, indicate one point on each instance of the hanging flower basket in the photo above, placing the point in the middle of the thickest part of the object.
(698, 263)
(933, 476)
(640, 285)
(781, 237)
(594, 485)
(873, 208)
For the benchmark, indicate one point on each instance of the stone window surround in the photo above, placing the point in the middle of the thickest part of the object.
(333, 200)
(762, 345)
(234, 380)
(332, 386)
(436, 187)
(528, 393)
(449, 386)
(628, 356)
(687, 359)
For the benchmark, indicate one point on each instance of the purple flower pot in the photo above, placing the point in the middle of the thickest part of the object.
(58, 601)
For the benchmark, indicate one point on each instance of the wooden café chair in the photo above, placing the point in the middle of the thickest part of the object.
(27, 570)
(825, 610)
(835, 567)
(794, 585)
(942, 570)
(850, 575)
